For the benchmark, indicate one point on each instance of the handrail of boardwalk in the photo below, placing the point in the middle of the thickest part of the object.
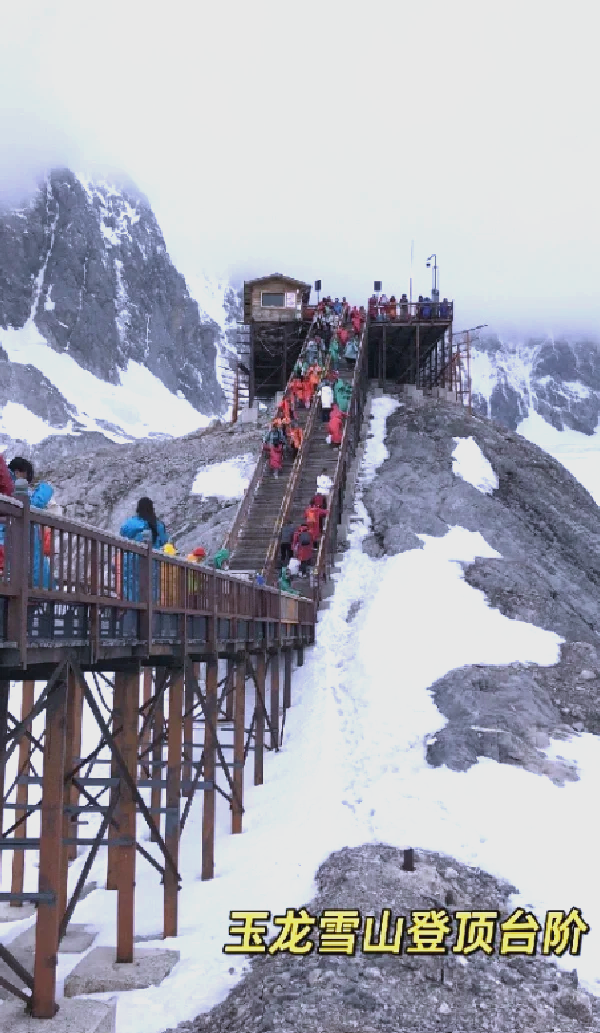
(97, 589)
(231, 539)
(350, 438)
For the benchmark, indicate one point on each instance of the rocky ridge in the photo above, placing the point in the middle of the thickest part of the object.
(99, 482)
(387, 993)
(547, 529)
(557, 378)
(88, 264)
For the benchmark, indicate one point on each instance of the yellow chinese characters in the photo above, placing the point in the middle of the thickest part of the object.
(338, 932)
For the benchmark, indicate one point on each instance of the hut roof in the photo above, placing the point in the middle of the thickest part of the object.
(276, 276)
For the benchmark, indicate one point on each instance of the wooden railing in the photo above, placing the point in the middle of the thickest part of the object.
(64, 582)
(349, 444)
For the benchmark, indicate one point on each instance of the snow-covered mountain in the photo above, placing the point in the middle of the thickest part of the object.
(98, 330)
(547, 389)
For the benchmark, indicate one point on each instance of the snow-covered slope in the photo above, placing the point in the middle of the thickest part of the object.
(97, 328)
(548, 390)
(221, 302)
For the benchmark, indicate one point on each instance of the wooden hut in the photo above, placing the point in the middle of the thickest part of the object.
(276, 311)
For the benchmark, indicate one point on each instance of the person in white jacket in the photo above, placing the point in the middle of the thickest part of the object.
(326, 393)
(324, 483)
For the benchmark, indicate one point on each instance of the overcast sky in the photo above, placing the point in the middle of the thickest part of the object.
(320, 138)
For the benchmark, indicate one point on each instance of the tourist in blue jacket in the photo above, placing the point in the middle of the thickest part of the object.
(136, 528)
(22, 469)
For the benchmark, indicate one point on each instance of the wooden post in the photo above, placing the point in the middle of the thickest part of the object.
(300, 656)
(417, 358)
(113, 852)
(239, 725)
(229, 690)
(259, 724)
(208, 812)
(46, 930)
(287, 679)
(72, 751)
(145, 738)
(126, 707)
(274, 708)
(74, 730)
(156, 766)
(188, 734)
(24, 769)
(173, 796)
(4, 692)
(384, 357)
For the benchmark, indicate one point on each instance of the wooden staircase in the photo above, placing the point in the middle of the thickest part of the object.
(255, 536)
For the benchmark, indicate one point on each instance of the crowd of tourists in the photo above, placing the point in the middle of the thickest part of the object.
(383, 309)
(335, 336)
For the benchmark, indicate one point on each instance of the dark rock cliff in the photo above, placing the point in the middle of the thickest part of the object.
(89, 264)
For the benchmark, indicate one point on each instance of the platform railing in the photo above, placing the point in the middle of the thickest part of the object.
(411, 311)
(65, 583)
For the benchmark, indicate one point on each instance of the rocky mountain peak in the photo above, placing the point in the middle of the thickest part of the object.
(87, 264)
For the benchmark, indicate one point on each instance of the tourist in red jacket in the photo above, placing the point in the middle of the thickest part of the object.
(312, 519)
(336, 425)
(7, 485)
(303, 547)
(275, 459)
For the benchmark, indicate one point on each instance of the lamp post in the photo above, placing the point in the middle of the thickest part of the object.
(435, 294)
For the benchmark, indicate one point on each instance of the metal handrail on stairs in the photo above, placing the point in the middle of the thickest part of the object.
(327, 543)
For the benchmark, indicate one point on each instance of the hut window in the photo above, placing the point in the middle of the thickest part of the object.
(272, 300)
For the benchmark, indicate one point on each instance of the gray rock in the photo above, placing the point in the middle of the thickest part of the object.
(575, 1005)
(108, 294)
(371, 993)
(547, 529)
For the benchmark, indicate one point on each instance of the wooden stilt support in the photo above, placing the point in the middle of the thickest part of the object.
(145, 738)
(188, 736)
(72, 751)
(4, 691)
(259, 724)
(74, 733)
(173, 796)
(274, 709)
(22, 795)
(156, 766)
(300, 656)
(287, 679)
(229, 690)
(239, 723)
(43, 1004)
(210, 728)
(113, 832)
(126, 707)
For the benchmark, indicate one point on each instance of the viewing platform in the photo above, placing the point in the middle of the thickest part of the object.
(410, 345)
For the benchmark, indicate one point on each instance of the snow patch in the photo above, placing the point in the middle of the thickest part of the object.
(578, 453)
(470, 463)
(226, 480)
(140, 405)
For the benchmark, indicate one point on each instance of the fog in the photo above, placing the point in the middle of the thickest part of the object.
(321, 140)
